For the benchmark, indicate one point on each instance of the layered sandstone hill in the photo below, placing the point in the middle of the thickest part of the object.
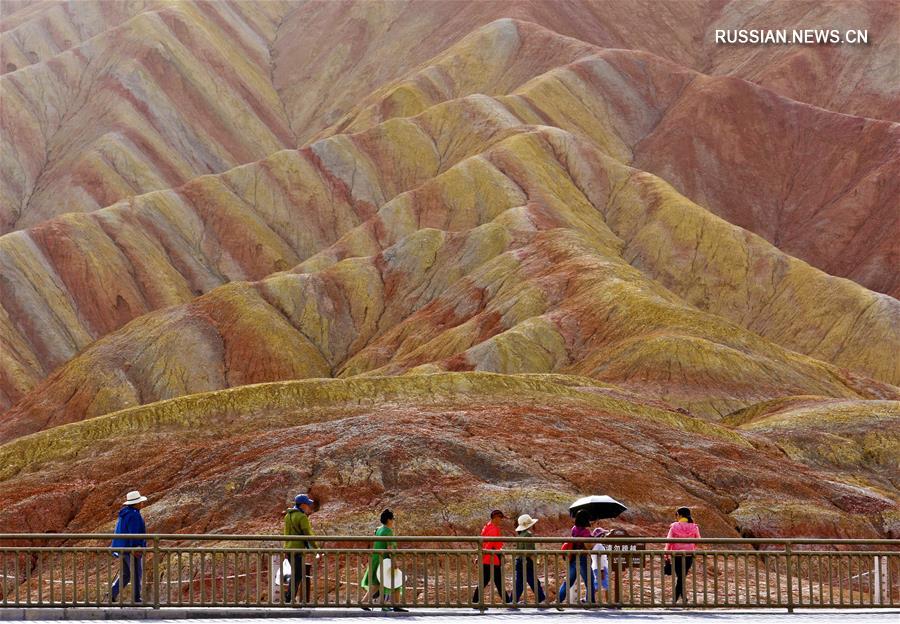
(439, 449)
(557, 265)
(377, 42)
(382, 41)
(820, 186)
(73, 279)
(276, 78)
(858, 438)
(205, 202)
(175, 91)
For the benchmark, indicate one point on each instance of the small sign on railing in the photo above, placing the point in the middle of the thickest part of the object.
(624, 555)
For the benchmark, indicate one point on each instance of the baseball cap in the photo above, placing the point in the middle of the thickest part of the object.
(303, 499)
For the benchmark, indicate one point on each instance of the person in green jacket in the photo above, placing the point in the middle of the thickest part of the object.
(370, 578)
(296, 523)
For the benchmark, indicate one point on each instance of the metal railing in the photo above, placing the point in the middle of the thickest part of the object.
(63, 570)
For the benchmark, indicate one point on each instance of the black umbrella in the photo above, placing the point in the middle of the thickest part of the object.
(598, 507)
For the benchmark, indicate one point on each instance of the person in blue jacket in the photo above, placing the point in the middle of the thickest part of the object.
(130, 522)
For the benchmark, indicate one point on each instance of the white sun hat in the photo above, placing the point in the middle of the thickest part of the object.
(526, 522)
(388, 576)
(134, 497)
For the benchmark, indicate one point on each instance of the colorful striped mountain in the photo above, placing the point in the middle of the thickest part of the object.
(514, 250)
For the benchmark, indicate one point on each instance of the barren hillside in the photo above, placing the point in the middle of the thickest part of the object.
(518, 249)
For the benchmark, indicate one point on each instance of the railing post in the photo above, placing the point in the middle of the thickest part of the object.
(275, 568)
(156, 573)
(877, 579)
(790, 579)
(479, 574)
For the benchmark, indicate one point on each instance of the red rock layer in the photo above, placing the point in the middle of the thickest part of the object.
(440, 450)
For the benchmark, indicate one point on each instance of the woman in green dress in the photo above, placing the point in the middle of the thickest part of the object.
(370, 578)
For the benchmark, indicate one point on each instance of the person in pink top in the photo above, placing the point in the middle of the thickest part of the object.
(682, 560)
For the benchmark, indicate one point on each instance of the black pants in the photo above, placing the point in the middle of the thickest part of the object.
(681, 565)
(299, 571)
(488, 571)
(525, 572)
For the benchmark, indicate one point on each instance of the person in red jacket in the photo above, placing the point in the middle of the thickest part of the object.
(490, 561)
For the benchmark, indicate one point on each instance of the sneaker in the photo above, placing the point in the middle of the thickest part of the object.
(400, 610)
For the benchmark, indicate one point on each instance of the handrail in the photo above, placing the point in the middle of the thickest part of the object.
(450, 538)
(442, 571)
(409, 551)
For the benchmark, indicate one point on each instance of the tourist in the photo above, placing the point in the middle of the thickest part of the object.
(370, 578)
(524, 564)
(130, 522)
(578, 563)
(490, 561)
(296, 523)
(681, 561)
(600, 566)
(599, 570)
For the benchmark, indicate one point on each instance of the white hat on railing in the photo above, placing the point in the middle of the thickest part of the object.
(134, 497)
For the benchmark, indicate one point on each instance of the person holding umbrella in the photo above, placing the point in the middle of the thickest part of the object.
(599, 568)
(585, 511)
(578, 563)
